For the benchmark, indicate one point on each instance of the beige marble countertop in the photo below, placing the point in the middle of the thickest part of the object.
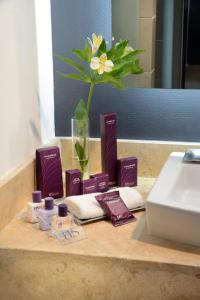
(130, 242)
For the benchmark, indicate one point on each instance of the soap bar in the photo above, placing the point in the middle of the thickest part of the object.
(115, 208)
(127, 171)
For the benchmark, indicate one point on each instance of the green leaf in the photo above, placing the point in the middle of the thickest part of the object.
(73, 76)
(127, 65)
(80, 151)
(73, 64)
(102, 48)
(117, 51)
(81, 155)
(81, 111)
(106, 78)
(122, 68)
(121, 64)
(79, 54)
(115, 82)
(87, 52)
(136, 69)
(83, 164)
(132, 54)
(121, 72)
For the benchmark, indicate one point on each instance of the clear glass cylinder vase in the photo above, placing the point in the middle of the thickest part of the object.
(80, 146)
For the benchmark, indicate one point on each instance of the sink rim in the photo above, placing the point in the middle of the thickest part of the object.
(164, 184)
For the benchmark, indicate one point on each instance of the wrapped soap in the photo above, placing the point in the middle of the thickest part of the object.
(115, 208)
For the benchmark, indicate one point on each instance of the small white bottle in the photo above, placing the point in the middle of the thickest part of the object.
(32, 207)
(46, 214)
(63, 221)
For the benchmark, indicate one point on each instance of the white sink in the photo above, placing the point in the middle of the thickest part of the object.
(173, 205)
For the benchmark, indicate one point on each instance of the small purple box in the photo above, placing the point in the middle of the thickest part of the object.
(73, 182)
(127, 171)
(102, 182)
(89, 186)
(109, 146)
(49, 172)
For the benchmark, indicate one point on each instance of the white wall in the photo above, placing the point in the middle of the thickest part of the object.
(45, 68)
(20, 131)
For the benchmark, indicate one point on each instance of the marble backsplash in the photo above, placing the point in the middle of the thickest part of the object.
(16, 188)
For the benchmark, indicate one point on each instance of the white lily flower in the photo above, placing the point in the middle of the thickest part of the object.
(101, 64)
(95, 42)
(95, 63)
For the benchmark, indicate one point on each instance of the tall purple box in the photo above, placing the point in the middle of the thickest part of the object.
(89, 186)
(102, 182)
(127, 171)
(73, 182)
(109, 146)
(49, 172)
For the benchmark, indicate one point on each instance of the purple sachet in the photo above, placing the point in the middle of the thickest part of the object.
(115, 208)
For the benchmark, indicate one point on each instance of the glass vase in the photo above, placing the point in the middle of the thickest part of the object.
(80, 146)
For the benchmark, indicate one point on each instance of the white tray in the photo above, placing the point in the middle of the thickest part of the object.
(85, 221)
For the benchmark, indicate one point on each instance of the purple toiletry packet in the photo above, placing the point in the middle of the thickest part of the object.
(127, 171)
(108, 130)
(102, 182)
(73, 182)
(89, 186)
(49, 172)
(115, 208)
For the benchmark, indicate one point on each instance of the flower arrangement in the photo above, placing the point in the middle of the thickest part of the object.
(105, 66)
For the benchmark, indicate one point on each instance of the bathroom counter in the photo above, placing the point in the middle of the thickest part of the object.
(127, 251)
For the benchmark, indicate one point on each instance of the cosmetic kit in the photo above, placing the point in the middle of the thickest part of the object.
(115, 172)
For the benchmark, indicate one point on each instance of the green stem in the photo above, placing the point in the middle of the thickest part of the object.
(84, 162)
(90, 98)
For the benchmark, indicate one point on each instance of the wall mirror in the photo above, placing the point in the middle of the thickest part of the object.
(169, 114)
(169, 31)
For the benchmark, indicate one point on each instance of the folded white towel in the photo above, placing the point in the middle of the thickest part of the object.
(87, 207)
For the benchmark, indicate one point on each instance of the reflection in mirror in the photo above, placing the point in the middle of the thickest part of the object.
(169, 31)
(135, 20)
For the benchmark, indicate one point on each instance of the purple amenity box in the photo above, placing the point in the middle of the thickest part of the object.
(49, 172)
(73, 182)
(102, 182)
(109, 146)
(89, 186)
(127, 171)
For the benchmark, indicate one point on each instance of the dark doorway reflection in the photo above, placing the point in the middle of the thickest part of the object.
(192, 68)
(178, 44)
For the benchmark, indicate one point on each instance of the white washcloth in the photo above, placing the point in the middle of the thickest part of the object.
(87, 207)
